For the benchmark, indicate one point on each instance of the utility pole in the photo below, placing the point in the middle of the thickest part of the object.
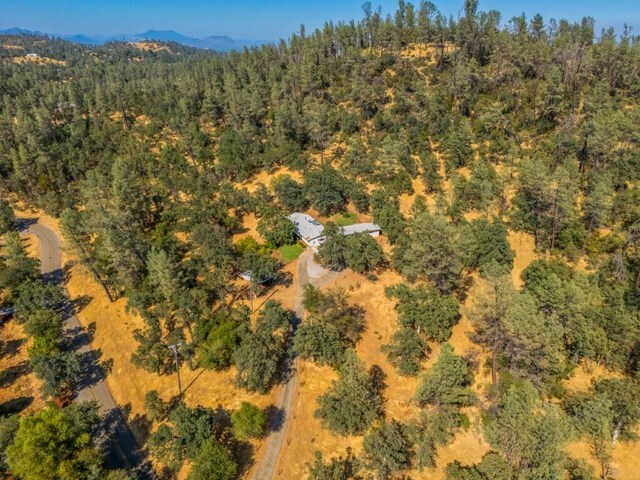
(174, 349)
(251, 288)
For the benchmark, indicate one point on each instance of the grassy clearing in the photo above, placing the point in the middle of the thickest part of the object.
(344, 219)
(290, 252)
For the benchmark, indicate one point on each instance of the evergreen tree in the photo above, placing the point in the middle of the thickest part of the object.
(352, 403)
(447, 383)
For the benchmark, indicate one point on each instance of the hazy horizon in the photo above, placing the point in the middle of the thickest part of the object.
(266, 20)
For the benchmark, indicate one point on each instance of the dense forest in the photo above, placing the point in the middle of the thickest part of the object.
(144, 155)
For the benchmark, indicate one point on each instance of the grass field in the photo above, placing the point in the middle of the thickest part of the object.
(344, 219)
(291, 252)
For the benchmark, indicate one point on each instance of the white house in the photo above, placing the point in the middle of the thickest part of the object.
(310, 230)
(33, 55)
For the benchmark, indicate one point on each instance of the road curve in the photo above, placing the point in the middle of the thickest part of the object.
(266, 468)
(121, 447)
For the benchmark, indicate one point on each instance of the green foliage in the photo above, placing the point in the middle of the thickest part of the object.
(387, 449)
(406, 350)
(32, 296)
(528, 434)
(213, 462)
(447, 383)
(290, 193)
(486, 245)
(7, 218)
(261, 351)
(53, 444)
(150, 207)
(155, 407)
(425, 310)
(326, 189)
(385, 210)
(17, 267)
(332, 252)
(277, 229)
(291, 252)
(430, 252)
(249, 421)
(433, 429)
(362, 253)
(533, 342)
(491, 467)
(8, 428)
(457, 146)
(352, 403)
(331, 326)
(183, 438)
(344, 219)
(359, 251)
(44, 324)
(341, 468)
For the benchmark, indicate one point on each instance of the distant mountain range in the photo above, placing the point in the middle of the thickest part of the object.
(214, 42)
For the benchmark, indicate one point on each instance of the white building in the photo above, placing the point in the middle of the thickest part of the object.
(33, 55)
(310, 230)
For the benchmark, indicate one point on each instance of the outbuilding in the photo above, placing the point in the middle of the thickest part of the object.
(310, 230)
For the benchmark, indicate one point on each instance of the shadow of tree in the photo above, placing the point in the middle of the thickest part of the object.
(243, 453)
(24, 223)
(11, 374)
(15, 405)
(10, 348)
(93, 371)
(378, 377)
(275, 418)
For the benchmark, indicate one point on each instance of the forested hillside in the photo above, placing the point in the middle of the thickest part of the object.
(151, 155)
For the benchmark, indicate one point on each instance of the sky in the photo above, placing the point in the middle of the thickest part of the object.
(266, 19)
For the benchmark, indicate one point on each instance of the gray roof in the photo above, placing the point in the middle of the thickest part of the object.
(361, 228)
(307, 227)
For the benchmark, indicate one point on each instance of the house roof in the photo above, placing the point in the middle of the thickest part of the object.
(361, 228)
(307, 227)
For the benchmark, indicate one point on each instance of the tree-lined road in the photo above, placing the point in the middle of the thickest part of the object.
(121, 447)
(307, 272)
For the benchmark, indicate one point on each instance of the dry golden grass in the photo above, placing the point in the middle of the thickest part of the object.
(38, 60)
(150, 46)
(524, 246)
(19, 387)
(113, 338)
(305, 435)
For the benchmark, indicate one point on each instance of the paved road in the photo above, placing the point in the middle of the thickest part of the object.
(308, 272)
(121, 448)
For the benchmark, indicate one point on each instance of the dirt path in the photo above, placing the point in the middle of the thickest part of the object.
(121, 448)
(308, 272)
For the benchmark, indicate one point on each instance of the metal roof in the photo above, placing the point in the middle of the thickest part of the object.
(361, 228)
(307, 227)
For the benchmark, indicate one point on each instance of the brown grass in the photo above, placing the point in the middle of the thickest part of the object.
(113, 338)
(17, 381)
(524, 246)
(38, 60)
(306, 435)
(150, 46)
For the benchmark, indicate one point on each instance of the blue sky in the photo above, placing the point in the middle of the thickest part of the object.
(264, 19)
